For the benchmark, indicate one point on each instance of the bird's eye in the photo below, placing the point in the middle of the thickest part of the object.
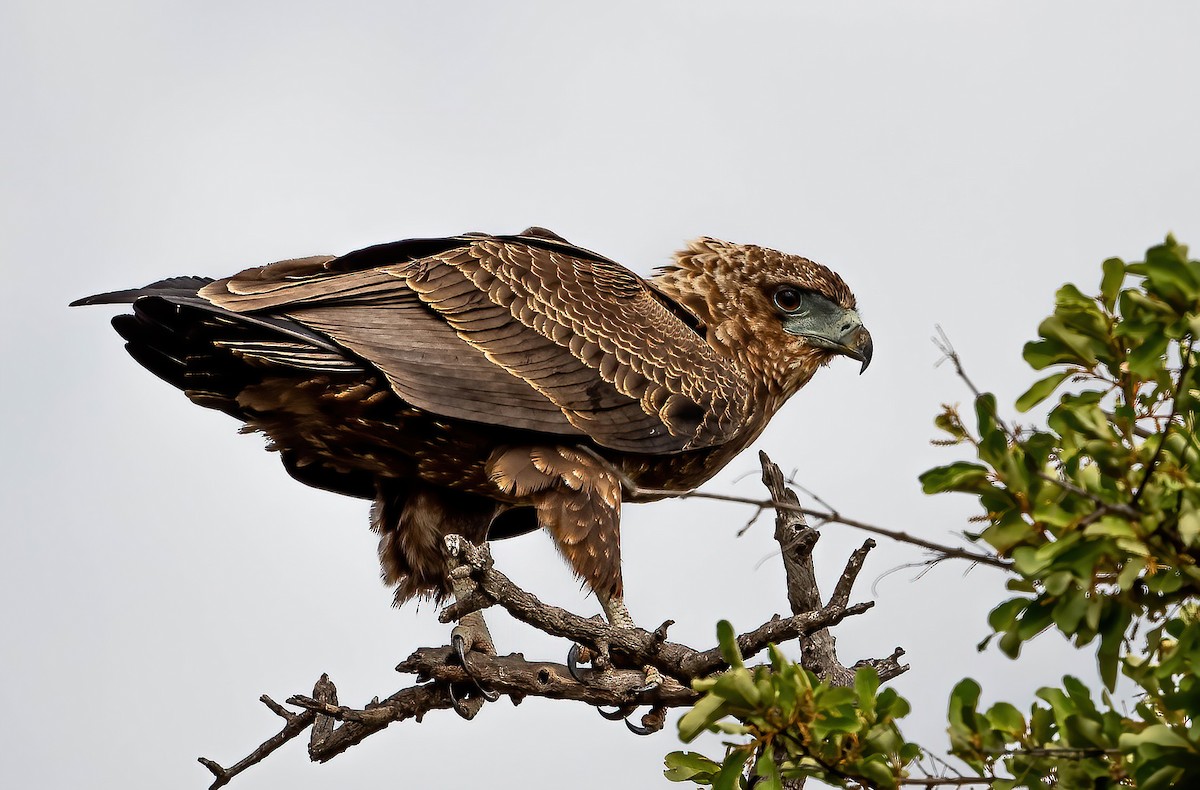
(787, 299)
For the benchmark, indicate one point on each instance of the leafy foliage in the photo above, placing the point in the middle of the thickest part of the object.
(1098, 513)
(794, 726)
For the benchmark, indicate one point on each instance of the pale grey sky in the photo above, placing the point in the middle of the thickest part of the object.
(954, 161)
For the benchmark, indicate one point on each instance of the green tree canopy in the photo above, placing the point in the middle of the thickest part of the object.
(1097, 517)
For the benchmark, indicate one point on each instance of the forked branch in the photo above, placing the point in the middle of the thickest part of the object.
(440, 678)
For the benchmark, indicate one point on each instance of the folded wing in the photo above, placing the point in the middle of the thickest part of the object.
(526, 332)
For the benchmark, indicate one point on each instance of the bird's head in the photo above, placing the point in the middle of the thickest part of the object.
(782, 316)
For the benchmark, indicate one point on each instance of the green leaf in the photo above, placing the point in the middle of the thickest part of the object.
(1041, 390)
(727, 639)
(877, 772)
(707, 710)
(1005, 716)
(1112, 632)
(737, 687)
(1112, 527)
(1157, 734)
(1130, 573)
(1110, 283)
(1010, 644)
(1189, 522)
(1073, 300)
(1003, 537)
(766, 768)
(1004, 616)
(1069, 613)
(985, 414)
(866, 683)
(1168, 275)
(1076, 346)
(1163, 779)
(731, 771)
(958, 476)
(1145, 359)
(1044, 353)
(682, 766)
(964, 698)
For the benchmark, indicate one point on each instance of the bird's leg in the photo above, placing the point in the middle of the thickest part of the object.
(577, 496)
(618, 615)
(616, 611)
(471, 633)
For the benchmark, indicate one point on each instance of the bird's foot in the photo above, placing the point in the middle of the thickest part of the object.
(654, 679)
(618, 616)
(471, 634)
(652, 722)
(579, 654)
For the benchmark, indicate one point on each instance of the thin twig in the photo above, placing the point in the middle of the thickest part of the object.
(295, 725)
(636, 492)
(836, 518)
(1180, 392)
(1111, 507)
(942, 341)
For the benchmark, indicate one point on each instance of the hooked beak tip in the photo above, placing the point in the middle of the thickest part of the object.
(861, 347)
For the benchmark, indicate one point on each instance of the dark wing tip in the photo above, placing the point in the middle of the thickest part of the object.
(110, 297)
(177, 286)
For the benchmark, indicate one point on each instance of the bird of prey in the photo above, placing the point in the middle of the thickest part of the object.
(487, 385)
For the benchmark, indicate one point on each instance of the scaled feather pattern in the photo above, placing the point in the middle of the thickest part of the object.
(489, 385)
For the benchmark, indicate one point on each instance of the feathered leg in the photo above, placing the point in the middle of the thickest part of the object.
(578, 500)
(412, 521)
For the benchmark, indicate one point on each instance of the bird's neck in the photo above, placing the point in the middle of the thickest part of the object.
(774, 371)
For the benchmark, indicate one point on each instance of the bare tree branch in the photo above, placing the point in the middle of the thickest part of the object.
(296, 724)
(622, 653)
(818, 648)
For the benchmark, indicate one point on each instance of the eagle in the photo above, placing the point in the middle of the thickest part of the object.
(489, 385)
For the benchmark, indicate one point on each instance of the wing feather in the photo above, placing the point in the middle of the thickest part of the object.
(524, 332)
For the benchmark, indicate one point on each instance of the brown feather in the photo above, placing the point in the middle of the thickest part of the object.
(462, 382)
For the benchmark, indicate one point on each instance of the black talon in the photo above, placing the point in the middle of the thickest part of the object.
(459, 708)
(638, 729)
(652, 722)
(618, 714)
(460, 647)
(573, 663)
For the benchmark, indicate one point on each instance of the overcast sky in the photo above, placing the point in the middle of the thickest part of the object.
(954, 161)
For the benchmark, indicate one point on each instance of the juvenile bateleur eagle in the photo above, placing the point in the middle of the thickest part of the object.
(487, 385)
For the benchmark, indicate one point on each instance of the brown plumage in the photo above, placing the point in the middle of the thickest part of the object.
(486, 385)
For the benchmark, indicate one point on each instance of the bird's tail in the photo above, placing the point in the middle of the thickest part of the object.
(209, 352)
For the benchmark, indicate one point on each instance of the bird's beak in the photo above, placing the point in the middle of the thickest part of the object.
(856, 344)
(838, 330)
